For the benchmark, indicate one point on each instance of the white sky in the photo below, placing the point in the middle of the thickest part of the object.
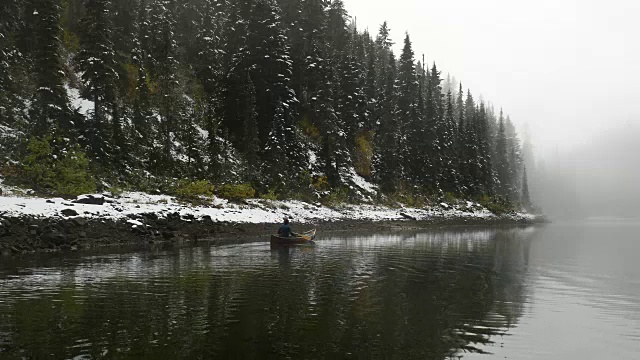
(566, 68)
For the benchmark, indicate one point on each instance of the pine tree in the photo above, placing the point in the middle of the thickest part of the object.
(164, 65)
(50, 110)
(515, 159)
(9, 23)
(468, 146)
(386, 165)
(460, 109)
(97, 64)
(370, 89)
(483, 155)
(525, 200)
(251, 139)
(448, 175)
(411, 127)
(501, 161)
(143, 131)
(271, 72)
(209, 69)
(437, 133)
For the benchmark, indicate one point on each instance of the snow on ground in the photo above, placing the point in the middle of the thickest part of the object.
(77, 102)
(132, 205)
(16, 202)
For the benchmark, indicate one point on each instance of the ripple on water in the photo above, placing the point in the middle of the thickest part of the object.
(401, 295)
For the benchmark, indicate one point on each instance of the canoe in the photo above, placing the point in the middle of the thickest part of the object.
(303, 238)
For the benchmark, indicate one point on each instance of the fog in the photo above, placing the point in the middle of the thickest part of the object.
(601, 178)
(566, 70)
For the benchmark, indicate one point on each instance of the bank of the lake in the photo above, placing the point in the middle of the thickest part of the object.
(29, 224)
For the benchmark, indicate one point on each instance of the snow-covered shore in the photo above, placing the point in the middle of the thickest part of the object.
(29, 223)
(132, 205)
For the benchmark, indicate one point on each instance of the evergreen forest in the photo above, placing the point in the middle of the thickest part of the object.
(283, 99)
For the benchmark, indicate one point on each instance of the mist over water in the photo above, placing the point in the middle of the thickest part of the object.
(598, 179)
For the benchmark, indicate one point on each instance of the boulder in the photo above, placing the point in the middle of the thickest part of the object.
(80, 221)
(90, 199)
(189, 217)
(53, 236)
(407, 216)
(33, 229)
(150, 216)
(168, 235)
(69, 212)
(207, 220)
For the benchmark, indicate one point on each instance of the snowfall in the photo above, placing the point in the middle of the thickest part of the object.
(15, 202)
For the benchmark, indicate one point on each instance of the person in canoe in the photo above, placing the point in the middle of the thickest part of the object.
(285, 229)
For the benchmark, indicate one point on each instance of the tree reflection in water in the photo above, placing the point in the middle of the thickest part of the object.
(430, 295)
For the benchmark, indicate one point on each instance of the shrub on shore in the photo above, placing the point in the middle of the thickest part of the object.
(53, 168)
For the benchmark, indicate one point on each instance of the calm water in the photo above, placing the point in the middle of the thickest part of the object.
(557, 292)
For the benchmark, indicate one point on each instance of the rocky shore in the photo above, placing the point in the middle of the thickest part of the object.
(26, 234)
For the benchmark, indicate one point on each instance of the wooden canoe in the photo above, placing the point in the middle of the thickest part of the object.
(302, 238)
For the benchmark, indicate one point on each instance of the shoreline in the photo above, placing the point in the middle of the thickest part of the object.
(27, 234)
(31, 224)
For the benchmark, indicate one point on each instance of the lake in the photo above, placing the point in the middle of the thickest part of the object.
(560, 291)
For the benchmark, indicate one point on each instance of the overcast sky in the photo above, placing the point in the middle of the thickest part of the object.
(567, 68)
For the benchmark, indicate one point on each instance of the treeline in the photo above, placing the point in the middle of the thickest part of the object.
(286, 95)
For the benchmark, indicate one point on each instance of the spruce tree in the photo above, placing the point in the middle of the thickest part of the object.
(501, 161)
(209, 69)
(50, 109)
(386, 163)
(97, 64)
(468, 147)
(164, 66)
(483, 155)
(525, 200)
(515, 159)
(448, 174)
(9, 24)
(251, 140)
(271, 72)
(437, 133)
(144, 129)
(411, 128)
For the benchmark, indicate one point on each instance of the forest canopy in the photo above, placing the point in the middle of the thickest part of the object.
(287, 97)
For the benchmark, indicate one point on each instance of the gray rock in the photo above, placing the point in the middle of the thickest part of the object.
(207, 220)
(53, 236)
(90, 199)
(69, 212)
(33, 229)
(406, 216)
(80, 221)
(189, 217)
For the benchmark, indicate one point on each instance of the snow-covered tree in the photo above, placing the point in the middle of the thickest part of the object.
(96, 63)
(50, 112)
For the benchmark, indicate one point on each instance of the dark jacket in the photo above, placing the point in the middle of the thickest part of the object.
(285, 230)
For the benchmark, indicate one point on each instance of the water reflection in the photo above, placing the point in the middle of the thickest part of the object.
(433, 295)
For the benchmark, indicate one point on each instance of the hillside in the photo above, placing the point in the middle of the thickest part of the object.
(276, 99)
